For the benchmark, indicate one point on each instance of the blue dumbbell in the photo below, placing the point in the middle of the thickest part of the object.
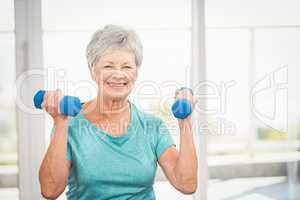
(182, 108)
(69, 105)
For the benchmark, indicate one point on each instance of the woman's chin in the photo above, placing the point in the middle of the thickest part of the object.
(117, 92)
(116, 95)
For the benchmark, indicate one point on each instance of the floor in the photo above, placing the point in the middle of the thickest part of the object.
(262, 188)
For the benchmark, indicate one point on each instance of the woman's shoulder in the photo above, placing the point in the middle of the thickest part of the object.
(146, 117)
(73, 121)
(80, 118)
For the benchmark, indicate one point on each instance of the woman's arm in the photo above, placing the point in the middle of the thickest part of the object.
(181, 167)
(54, 170)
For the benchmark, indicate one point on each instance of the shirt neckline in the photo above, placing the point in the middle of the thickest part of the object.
(115, 139)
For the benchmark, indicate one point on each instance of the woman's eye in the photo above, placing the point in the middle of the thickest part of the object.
(107, 67)
(127, 67)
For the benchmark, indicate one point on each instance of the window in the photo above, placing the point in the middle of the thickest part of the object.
(254, 44)
(8, 135)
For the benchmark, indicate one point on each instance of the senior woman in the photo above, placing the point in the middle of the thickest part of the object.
(110, 150)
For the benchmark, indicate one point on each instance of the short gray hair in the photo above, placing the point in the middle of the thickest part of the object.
(113, 37)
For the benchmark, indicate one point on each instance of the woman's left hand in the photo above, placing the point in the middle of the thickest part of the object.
(186, 94)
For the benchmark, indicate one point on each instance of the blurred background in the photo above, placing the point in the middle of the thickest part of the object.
(252, 125)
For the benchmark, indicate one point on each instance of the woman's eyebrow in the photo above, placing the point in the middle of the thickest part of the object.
(109, 62)
(127, 63)
(112, 63)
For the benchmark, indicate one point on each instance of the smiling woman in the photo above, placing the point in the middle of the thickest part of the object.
(111, 149)
(114, 56)
(115, 73)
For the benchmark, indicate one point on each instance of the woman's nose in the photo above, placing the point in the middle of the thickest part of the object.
(118, 73)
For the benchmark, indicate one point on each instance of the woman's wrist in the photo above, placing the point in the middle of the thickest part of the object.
(60, 120)
(185, 124)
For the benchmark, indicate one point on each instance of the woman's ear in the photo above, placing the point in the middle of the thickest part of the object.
(92, 73)
(136, 75)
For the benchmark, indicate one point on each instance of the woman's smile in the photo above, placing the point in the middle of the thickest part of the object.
(117, 84)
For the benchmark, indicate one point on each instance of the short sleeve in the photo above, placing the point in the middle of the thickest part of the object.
(69, 152)
(164, 139)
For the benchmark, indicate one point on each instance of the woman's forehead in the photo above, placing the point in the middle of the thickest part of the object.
(116, 61)
(118, 56)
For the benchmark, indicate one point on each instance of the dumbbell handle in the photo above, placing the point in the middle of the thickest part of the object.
(182, 108)
(68, 105)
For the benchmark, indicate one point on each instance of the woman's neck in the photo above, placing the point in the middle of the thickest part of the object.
(110, 108)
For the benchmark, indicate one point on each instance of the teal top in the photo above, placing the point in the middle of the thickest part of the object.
(115, 168)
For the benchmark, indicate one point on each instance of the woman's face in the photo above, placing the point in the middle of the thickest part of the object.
(115, 74)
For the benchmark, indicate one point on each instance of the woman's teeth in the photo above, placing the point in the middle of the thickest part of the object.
(116, 84)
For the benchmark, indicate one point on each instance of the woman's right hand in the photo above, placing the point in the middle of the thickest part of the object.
(51, 105)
